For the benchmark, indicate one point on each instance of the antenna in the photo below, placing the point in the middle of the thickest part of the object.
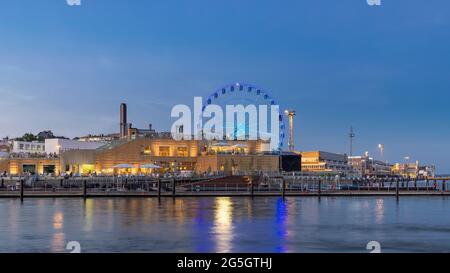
(352, 135)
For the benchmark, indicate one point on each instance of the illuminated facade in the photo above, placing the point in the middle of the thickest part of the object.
(237, 164)
(413, 170)
(171, 155)
(319, 161)
(185, 155)
(367, 166)
(168, 153)
(77, 162)
(41, 166)
(4, 166)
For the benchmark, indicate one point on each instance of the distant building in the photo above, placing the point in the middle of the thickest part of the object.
(231, 157)
(3, 155)
(57, 145)
(413, 170)
(134, 133)
(320, 161)
(427, 171)
(406, 169)
(127, 131)
(366, 166)
(5, 146)
(34, 147)
(99, 138)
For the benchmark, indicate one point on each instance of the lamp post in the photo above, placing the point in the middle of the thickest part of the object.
(381, 147)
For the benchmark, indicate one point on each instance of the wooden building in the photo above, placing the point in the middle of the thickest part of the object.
(171, 155)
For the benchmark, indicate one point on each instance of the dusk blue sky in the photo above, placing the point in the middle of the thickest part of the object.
(384, 70)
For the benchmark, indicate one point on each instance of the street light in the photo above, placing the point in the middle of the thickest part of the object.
(381, 147)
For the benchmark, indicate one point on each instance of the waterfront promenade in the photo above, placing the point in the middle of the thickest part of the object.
(220, 186)
(340, 193)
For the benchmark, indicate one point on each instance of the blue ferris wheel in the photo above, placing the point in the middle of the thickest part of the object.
(243, 93)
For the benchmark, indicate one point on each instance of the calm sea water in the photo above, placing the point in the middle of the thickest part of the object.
(298, 224)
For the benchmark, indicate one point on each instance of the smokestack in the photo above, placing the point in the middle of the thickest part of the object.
(123, 121)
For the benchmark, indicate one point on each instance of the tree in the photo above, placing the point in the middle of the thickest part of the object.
(28, 137)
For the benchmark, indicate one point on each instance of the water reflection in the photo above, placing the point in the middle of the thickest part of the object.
(179, 211)
(58, 241)
(14, 228)
(281, 229)
(58, 220)
(110, 213)
(88, 214)
(379, 211)
(223, 224)
(235, 224)
(249, 206)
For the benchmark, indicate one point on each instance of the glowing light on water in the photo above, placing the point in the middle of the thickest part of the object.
(58, 240)
(379, 211)
(281, 218)
(223, 224)
(58, 220)
(89, 214)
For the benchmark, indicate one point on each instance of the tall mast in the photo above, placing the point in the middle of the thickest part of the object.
(352, 135)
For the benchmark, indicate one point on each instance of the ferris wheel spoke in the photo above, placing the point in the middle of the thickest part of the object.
(240, 92)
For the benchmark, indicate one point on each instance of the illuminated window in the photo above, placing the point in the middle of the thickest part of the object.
(164, 151)
(182, 151)
(49, 169)
(147, 150)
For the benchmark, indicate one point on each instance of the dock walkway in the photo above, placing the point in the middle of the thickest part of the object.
(254, 186)
(4, 194)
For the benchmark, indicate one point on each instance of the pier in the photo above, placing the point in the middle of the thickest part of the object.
(241, 185)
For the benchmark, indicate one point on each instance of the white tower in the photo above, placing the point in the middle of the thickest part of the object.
(291, 114)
